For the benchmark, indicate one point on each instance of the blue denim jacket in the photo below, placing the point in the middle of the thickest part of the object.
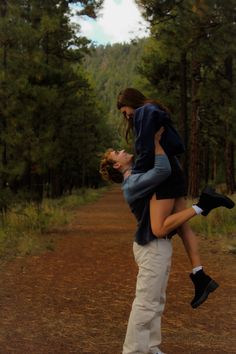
(148, 119)
(138, 189)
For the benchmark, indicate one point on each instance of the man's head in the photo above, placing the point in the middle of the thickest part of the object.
(114, 164)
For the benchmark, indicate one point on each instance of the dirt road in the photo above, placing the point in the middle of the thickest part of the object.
(77, 298)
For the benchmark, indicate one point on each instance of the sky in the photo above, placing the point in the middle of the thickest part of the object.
(118, 21)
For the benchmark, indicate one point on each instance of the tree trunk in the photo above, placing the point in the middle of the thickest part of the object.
(55, 181)
(229, 144)
(229, 160)
(213, 168)
(3, 10)
(206, 164)
(194, 136)
(4, 62)
(184, 110)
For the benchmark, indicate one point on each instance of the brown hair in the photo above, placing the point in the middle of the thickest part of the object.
(107, 171)
(134, 98)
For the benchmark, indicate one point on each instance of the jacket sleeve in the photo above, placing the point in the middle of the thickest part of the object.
(140, 185)
(147, 120)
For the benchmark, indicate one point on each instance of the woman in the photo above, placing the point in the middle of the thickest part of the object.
(144, 117)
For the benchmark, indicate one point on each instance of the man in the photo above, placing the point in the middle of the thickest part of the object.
(152, 254)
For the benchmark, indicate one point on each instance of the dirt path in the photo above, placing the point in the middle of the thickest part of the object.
(77, 299)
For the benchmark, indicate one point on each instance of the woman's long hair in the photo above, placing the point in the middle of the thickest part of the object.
(133, 98)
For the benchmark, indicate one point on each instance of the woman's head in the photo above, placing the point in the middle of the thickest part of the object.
(128, 101)
(130, 97)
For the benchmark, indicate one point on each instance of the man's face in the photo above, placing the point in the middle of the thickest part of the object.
(121, 157)
(128, 112)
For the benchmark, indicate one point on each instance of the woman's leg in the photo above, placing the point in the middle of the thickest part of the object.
(202, 282)
(163, 223)
(189, 238)
(162, 219)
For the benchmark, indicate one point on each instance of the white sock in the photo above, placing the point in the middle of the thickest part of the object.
(197, 209)
(196, 269)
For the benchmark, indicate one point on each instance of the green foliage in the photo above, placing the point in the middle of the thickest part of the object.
(220, 225)
(27, 228)
(51, 124)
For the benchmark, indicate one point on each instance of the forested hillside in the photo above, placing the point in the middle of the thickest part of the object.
(112, 68)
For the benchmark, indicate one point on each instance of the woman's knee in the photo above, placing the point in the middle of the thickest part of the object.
(158, 231)
(159, 211)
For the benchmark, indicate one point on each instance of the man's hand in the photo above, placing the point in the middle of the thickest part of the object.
(157, 138)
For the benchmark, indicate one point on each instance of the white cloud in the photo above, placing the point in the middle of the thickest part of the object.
(118, 21)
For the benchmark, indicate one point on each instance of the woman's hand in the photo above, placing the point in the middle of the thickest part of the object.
(157, 138)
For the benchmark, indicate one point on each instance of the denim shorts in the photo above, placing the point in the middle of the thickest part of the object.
(175, 185)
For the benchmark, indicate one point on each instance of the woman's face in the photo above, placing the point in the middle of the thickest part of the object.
(128, 112)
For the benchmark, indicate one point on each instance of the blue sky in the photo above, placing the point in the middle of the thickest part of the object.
(118, 21)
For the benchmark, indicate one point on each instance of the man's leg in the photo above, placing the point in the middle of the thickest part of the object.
(153, 261)
(164, 223)
(155, 333)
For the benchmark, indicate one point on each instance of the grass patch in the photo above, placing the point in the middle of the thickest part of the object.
(220, 224)
(26, 228)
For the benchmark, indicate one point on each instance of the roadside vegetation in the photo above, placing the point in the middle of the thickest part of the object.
(219, 225)
(28, 228)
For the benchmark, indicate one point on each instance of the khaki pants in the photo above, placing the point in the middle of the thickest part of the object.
(143, 334)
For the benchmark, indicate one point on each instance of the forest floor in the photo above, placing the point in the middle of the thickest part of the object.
(77, 298)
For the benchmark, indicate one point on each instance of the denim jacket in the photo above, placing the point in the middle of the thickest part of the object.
(138, 189)
(148, 119)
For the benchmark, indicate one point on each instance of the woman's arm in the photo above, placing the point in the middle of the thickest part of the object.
(147, 121)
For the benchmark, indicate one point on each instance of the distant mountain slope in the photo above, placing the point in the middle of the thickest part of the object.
(112, 68)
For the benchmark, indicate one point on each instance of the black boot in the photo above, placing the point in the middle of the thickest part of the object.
(209, 200)
(204, 285)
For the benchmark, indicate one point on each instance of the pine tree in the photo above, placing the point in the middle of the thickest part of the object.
(42, 94)
(196, 37)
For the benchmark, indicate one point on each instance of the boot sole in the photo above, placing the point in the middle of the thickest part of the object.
(212, 286)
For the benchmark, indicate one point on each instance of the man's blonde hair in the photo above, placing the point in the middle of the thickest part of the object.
(107, 170)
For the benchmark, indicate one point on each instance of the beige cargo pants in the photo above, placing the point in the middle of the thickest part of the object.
(143, 334)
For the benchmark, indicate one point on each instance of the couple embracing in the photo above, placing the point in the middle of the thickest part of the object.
(154, 186)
